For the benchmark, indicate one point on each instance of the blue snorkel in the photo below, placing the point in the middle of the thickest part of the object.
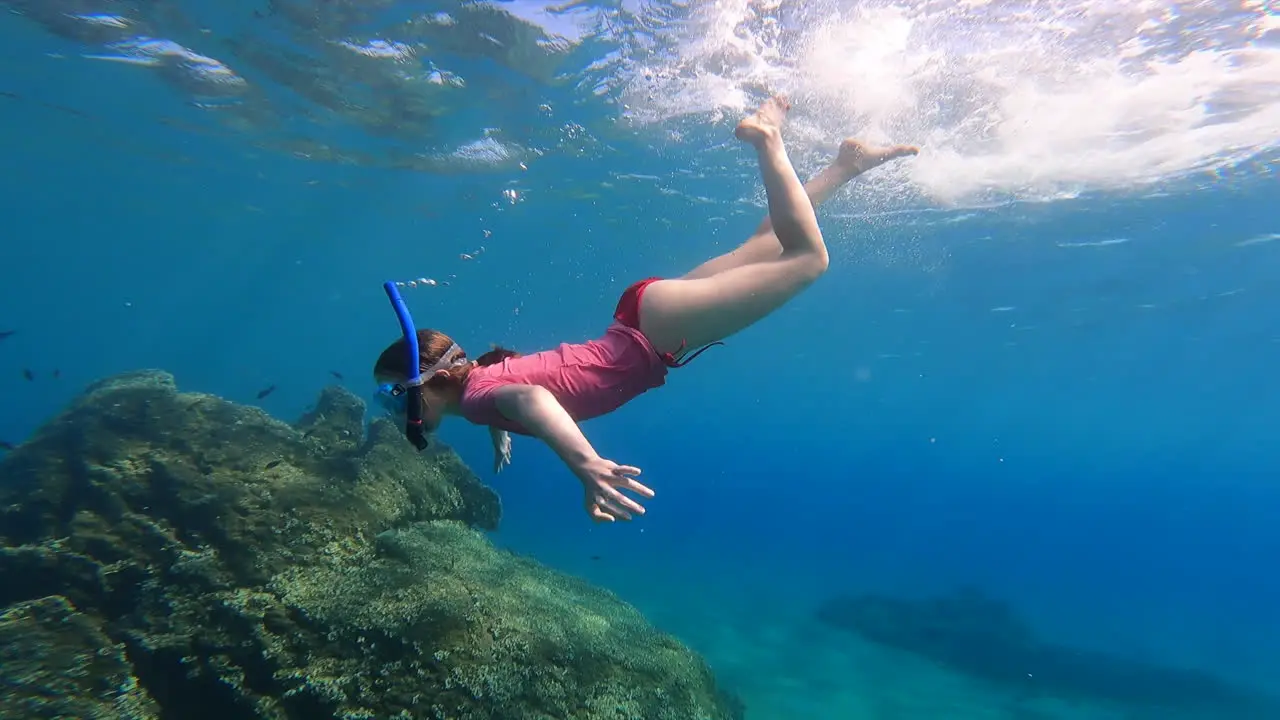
(412, 387)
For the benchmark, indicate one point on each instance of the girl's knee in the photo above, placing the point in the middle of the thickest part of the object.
(813, 264)
(806, 266)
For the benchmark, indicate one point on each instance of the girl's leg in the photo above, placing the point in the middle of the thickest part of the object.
(854, 159)
(697, 309)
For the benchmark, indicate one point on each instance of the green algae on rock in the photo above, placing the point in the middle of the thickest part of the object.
(209, 561)
(59, 663)
(493, 631)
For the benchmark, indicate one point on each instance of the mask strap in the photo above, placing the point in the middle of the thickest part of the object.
(451, 357)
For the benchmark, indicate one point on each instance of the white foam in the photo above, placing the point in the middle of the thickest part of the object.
(199, 73)
(1010, 100)
(1093, 243)
(1259, 240)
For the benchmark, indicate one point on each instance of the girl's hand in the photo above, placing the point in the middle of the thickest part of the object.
(501, 449)
(602, 480)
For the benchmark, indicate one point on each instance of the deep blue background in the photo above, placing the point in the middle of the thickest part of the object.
(1103, 454)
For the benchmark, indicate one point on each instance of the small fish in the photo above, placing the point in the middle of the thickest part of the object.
(266, 391)
(65, 109)
(273, 463)
(336, 374)
(6, 334)
(595, 557)
(6, 445)
(26, 373)
(57, 373)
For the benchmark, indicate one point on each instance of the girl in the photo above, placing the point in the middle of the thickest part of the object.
(656, 321)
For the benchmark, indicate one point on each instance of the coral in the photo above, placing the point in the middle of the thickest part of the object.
(59, 663)
(493, 631)
(174, 555)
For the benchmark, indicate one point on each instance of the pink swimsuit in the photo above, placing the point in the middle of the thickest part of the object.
(589, 379)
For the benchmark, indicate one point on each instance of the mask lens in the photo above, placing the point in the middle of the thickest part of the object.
(392, 399)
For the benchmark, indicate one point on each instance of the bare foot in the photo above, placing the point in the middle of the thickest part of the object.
(765, 124)
(857, 157)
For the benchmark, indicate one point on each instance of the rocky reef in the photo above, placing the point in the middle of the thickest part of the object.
(173, 555)
(985, 639)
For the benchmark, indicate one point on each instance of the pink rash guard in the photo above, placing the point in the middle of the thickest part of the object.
(589, 379)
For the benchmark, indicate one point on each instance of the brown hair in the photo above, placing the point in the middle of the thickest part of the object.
(432, 345)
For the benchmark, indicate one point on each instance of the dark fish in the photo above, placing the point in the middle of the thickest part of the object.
(6, 445)
(26, 373)
(336, 374)
(595, 557)
(273, 463)
(57, 373)
(266, 391)
(65, 109)
(6, 334)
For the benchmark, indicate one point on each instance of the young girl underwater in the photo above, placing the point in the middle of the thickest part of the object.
(656, 322)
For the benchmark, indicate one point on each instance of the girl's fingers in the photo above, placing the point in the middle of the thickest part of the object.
(613, 497)
(638, 488)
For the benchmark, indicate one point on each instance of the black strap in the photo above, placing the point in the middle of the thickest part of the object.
(670, 358)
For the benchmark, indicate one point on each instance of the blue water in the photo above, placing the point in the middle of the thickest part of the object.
(968, 397)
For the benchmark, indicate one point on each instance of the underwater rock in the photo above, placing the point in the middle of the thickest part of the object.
(984, 639)
(494, 630)
(337, 420)
(59, 663)
(175, 555)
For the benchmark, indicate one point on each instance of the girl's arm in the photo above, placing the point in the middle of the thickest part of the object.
(545, 418)
(501, 448)
(541, 414)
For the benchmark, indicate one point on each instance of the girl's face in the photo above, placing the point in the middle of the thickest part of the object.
(435, 402)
